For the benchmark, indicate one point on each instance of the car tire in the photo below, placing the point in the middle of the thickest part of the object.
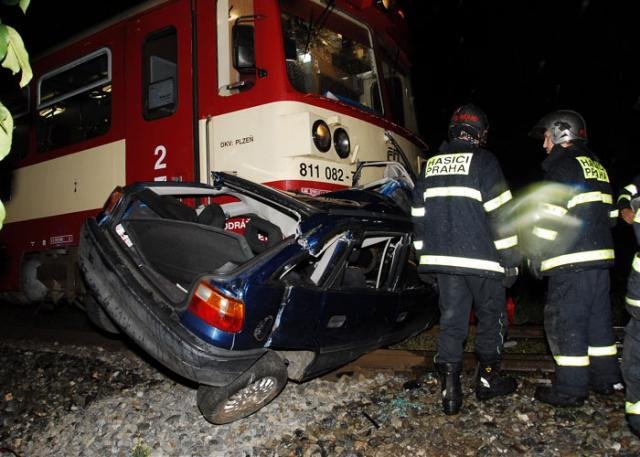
(247, 394)
(98, 316)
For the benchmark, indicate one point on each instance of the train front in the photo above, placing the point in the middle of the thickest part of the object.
(311, 88)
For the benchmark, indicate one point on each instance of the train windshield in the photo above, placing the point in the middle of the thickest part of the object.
(330, 54)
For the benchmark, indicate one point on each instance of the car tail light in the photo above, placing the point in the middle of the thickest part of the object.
(109, 205)
(215, 309)
(113, 199)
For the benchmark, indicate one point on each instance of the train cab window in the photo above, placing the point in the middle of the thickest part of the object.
(74, 102)
(236, 52)
(400, 95)
(160, 74)
(329, 53)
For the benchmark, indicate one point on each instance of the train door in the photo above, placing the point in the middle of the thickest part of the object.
(159, 79)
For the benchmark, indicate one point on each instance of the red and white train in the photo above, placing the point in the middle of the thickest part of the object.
(291, 93)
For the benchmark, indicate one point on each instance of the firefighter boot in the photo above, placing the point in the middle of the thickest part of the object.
(634, 423)
(490, 383)
(449, 374)
(553, 397)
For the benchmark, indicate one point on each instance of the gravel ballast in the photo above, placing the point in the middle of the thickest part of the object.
(73, 400)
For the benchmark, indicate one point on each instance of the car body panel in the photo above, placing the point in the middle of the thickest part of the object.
(333, 288)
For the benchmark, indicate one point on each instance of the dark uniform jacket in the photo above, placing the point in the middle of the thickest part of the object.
(633, 283)
(456, 212)
(628, 193)
(573, 227)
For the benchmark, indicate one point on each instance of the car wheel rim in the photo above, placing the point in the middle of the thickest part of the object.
(250, 398)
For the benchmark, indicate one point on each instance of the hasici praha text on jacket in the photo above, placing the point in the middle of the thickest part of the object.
(457, 207)
(573, 228)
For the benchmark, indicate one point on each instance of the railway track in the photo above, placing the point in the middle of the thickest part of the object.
(76, 330)
(410, 360)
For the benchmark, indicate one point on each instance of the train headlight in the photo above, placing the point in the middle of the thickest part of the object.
(342, 143)
(321, 135)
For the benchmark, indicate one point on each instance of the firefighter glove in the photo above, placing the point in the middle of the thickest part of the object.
(510, 276)
(534, 268)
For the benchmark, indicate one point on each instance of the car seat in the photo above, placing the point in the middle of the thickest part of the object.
(178, 210)
(167, 206)
(354, 277)
(212, 215)
(261, 234)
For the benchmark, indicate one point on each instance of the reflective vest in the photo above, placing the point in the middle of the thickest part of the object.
(457, 207)
(574, 229)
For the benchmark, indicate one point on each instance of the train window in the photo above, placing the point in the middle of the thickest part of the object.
(329, 53)
(160, 74)
(400, 96)
(236, 54)
(74, 102)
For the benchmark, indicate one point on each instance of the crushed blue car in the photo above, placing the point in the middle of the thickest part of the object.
(240, 287)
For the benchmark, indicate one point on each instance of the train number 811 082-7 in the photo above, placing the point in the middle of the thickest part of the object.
(312, 170)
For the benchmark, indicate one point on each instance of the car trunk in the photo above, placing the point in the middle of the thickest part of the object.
(183, 251)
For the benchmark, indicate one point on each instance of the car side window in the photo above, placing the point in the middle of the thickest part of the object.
(326, 261)
(315, 269)
(373, 264)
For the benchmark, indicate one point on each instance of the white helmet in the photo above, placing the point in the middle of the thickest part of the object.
(564, 125)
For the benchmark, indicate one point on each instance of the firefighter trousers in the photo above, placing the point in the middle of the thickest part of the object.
(458, 295)
(577, 321)
(631, 366)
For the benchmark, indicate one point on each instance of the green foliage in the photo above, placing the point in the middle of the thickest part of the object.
(15, 58)
(23, 4)
(6, 130)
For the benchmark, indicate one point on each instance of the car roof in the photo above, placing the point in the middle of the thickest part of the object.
(346, 202)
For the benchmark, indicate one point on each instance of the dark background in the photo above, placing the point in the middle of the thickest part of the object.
(517, 60)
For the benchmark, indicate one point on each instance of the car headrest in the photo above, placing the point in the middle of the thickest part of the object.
(212, 215)
(261, 234)
(167, 206)
(178, 210)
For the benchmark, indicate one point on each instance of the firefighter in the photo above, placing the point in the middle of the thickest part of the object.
(457, 203)
(576, 252)
(631, 350)
(627, 194)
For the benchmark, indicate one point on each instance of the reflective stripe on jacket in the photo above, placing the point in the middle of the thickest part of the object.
(628, 193)
(458, 212)
(632, 299)
(575, 232)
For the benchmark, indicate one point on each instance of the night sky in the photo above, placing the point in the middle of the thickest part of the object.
(517, 60)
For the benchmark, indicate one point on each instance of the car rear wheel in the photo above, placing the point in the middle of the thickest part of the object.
(247, 394)
(98, 316)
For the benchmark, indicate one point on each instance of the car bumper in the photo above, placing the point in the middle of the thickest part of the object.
(148, 319)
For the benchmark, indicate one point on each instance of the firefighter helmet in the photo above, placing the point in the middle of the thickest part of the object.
(563, 125)
(469, 123)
